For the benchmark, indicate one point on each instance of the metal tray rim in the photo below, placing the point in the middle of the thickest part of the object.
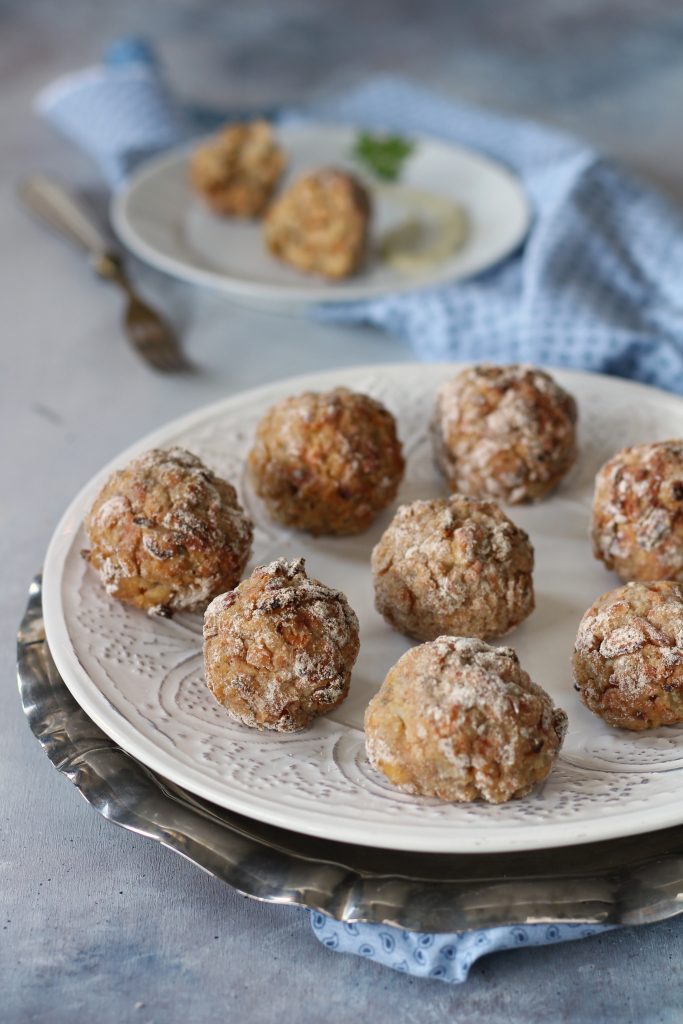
(614, 882)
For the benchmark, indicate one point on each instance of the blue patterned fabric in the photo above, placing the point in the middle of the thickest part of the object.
(596, 285)
(447, 957)
(119, 113)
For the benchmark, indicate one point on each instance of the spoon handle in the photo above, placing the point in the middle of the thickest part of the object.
(62, 211)
(146, 330)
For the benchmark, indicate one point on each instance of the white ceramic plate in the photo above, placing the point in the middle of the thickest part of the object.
(157, 216)
(141, 680)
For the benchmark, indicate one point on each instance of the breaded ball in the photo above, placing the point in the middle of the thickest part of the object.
(637, 526)
(456, 566)
(237, 171)
(459, 720)
(628, 656)
(506, 432)
(320, 224)
(167, 534)
(279, 650)
(326, 463)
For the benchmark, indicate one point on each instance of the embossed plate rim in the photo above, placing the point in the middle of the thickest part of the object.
(621, 882)
(475, 838)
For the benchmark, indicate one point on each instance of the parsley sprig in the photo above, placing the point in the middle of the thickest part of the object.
(383, 154)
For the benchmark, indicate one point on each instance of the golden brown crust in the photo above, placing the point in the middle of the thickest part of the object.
(326, 463)
(628, 656)
(506, 432)
(320, 224)
(167, 534)
(637, 525)
(237, 171)
(279, 650)
(459, 720)
(456, 566)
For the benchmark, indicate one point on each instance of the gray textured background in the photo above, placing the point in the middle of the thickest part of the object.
(96, 921)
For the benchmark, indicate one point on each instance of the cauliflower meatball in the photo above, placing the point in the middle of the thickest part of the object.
(167, 534)
(237, 171)
(506, 432)
(457, 566)
(628, 656)
(461, 721)
(637, 526)
(326, 463)
(320, 224)
(279, 650)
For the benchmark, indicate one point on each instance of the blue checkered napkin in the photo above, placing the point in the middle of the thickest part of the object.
(597, 285)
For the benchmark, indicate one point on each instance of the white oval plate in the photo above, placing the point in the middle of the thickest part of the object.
(158, 217)
(141, 680)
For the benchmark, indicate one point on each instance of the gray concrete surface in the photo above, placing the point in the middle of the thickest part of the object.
(98, 924)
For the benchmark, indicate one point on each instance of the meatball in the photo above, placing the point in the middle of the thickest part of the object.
(628, 656)
(459, 720)
(457, 566)
(320, 224)
(167, 534)
(278, 650)
(237, 171)
(637, 526)
(506, 432)
(326, 463)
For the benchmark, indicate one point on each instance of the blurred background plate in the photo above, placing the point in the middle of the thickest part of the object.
(157, 216)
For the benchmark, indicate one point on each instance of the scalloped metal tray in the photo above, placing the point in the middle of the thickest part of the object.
(634, 880)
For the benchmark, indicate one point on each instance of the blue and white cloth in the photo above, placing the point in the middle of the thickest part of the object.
(596, 285)
(447, 957)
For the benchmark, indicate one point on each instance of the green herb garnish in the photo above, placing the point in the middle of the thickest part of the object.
(383, 154)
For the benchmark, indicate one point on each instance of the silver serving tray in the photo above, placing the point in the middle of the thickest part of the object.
(626, 881)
